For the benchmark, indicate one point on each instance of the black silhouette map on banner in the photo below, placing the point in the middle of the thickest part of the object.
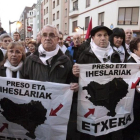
(34, 110)
(105, 97)
(27, 115)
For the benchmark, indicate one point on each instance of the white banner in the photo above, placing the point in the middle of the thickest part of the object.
(105, 98)
(34, 110)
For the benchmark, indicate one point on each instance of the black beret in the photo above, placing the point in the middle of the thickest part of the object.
(98, 28)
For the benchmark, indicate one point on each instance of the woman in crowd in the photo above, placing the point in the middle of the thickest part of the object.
(13, 60)
(133, 131)
(135, 49)
(117, 41)
(32, 47)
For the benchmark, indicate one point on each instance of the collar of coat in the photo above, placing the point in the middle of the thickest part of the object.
(58, 59)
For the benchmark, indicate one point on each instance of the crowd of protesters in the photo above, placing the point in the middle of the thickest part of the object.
(50, 58)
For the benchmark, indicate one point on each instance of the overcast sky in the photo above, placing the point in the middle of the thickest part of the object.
(11, 10)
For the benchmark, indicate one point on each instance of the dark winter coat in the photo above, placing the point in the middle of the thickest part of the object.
(87, 57)
(131, 60)
(133, 130)
(1, 55)
(3, 71)
(59, 71)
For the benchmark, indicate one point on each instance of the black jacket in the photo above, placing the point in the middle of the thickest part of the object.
(59, 71)
(131, 60)
(83, 46)
(1, 55)
(88, 57)
(3, 71)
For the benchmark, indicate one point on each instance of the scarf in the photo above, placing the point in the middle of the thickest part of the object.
(121, 52)
(10, 68)
(47, 55)
(136, 58)
(103, 54)
(63, 49)
(127, 48)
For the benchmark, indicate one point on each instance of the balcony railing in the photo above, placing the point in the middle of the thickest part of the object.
(74, 9)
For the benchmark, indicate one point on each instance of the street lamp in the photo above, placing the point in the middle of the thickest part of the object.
(77, 28)
(18, 25)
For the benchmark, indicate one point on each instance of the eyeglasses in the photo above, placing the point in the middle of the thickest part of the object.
(7, 41)
(51, 35)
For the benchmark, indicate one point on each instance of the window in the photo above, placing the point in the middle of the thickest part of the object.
(65, 12)
(86, 22)
(57, 2)
(128, 16)
(57, 14)
(65, 26)
(87, 3)
(44, 21)
(46, 9)
(53, 17)
(53, 4)
(74, 25)
(57, 26)
(75, 5)
(101, 18)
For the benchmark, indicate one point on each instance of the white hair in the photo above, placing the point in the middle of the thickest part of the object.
(129, 29)
(77, 35)
(52, 26)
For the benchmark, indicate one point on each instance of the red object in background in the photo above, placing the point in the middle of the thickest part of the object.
(68, 38)
(89, 29)
(29, 28)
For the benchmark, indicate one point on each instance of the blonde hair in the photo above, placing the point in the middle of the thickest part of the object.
(16, 44)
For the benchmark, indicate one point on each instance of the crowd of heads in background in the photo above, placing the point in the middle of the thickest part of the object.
(118, 38)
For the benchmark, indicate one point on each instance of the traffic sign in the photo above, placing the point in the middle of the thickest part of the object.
(29, 28)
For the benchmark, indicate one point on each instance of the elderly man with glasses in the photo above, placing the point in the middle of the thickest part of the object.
(48, 63)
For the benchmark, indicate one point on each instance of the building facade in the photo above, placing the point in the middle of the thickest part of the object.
(56, 13)
(0, 23)
(111, 13)
(29, 21)
(39, 15)
(23, 19)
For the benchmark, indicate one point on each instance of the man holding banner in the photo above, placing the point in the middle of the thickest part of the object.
(49, 63)
(97, 83)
